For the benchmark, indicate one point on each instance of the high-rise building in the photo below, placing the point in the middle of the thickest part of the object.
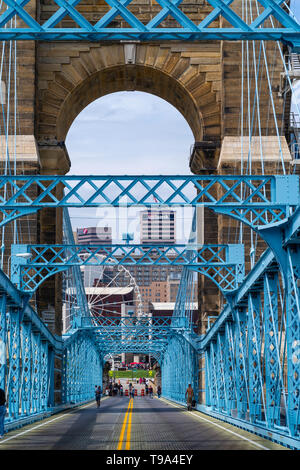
(173, 283)
(154, 292)
(158, 226)
(94, 236)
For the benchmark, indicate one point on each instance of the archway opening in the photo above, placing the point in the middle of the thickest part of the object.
(129, 133)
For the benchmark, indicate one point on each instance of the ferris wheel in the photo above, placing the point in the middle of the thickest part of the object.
(109, 290)
(105, 285)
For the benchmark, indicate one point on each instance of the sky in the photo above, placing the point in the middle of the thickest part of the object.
(127, 133)
(132, 133)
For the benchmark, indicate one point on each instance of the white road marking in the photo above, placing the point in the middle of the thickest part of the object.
(219, 426)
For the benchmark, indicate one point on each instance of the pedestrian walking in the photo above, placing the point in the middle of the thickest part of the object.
(98, 393)
(146, 389)
(151, 391)
(132, 392)
(189, 394)
(159, 391)
(2, 412)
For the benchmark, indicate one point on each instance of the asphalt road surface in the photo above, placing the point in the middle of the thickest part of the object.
(125, 424)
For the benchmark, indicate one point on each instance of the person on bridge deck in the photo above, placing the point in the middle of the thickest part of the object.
(151, 391)
(2, 411)
(146, 389)
(98, 393)
(189, 394)
(132, 392)
(159, 391)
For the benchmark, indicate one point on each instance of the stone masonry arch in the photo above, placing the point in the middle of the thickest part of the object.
(72, 76)
(129, 78)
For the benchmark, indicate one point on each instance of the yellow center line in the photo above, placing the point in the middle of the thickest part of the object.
(124, 426)
(129, 428)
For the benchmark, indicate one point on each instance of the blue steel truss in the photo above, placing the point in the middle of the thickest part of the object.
(256, 341)
(254, 200)
(29, 358)
(250, 354)
(185, 29)
(224, 264)
(140, 334)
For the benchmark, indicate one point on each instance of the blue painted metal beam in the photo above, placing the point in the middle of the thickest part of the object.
(187, 30)
(134, 333)
(145, 322)
(252, 282)
(266, 368)
(94, 191)
(32, 264)
(256, 200)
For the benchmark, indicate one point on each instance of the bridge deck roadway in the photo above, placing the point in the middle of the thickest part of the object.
(151, 424)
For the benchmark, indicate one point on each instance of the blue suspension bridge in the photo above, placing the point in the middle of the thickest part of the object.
(249, 356)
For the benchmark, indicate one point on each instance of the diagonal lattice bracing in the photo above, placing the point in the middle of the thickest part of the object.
(256, 200)
(222, 22)
(261, 343)
(32, 264)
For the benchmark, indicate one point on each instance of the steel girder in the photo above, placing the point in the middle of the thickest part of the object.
(26, 365)
(179, 368)
(285, 242)
(185, 29)
(251, 378)
(140, 334)
(259, 332)
(82, 367)
(147, 322)
(255, 200)
(32, 264)
(27, 352)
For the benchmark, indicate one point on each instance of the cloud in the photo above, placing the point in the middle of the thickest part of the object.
(121, 107)
(129, 133)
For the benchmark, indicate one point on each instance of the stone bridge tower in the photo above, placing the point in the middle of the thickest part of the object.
(203, 80)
